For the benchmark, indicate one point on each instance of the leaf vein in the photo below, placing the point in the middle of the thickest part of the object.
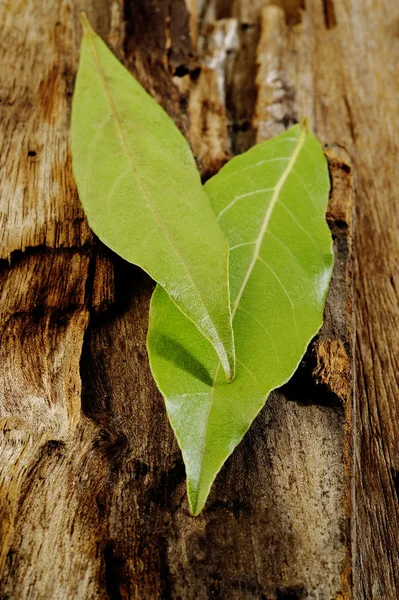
(233, 202)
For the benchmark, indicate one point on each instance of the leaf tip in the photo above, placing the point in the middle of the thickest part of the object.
(228, 362)
(305, 125)
(87, 28)
(196, 504)
(229, 371)
(195, 508)
(231, 368)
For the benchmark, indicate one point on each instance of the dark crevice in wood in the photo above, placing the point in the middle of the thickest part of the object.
(297, 593)
(305, 390)
(244, 127)
(137, 17)
(241, 95)
(59, 317)
(17, 256)
(223, 9)
(181, 71)
(181, 51)
(129, 280)
(164, 571)
(329, 14)
(111, 440)
(395, 479)
(114, 566)
(90, 279)
(246, 26)
(231, 505)
(293, 11)
(168, 27)
(341, 224)
(113, 444)
(155, 46)
(169, 480)
(55, 447)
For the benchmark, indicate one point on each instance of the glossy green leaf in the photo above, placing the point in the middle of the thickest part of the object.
(271, 204)
(142, 193)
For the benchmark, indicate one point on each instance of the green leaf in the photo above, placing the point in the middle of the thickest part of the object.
(142, 193)
(271, 204)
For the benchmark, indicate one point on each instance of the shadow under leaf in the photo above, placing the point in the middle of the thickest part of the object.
(176, 353)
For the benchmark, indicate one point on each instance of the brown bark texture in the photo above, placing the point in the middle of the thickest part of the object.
(92, 484)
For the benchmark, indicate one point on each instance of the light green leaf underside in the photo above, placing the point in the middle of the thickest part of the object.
(142, 193)
(271, 204)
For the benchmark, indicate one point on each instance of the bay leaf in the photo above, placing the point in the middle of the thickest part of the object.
(142, 193)
(271, 204)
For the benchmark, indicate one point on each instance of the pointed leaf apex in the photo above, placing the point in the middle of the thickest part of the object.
(305, 125)
(195, 506)
(229, 370)
(87, 28)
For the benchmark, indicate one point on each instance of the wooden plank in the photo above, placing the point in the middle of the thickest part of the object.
(356, 69)
(100, 493)
(93, 498)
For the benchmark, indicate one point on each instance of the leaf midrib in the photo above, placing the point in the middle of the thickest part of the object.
(266, 220)
(91, 35)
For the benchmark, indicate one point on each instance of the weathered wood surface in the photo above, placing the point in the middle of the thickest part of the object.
(93, 499)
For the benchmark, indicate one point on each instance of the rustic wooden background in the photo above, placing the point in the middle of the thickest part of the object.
(93, 500)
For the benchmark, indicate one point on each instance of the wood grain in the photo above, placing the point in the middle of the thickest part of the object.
(92, 493)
